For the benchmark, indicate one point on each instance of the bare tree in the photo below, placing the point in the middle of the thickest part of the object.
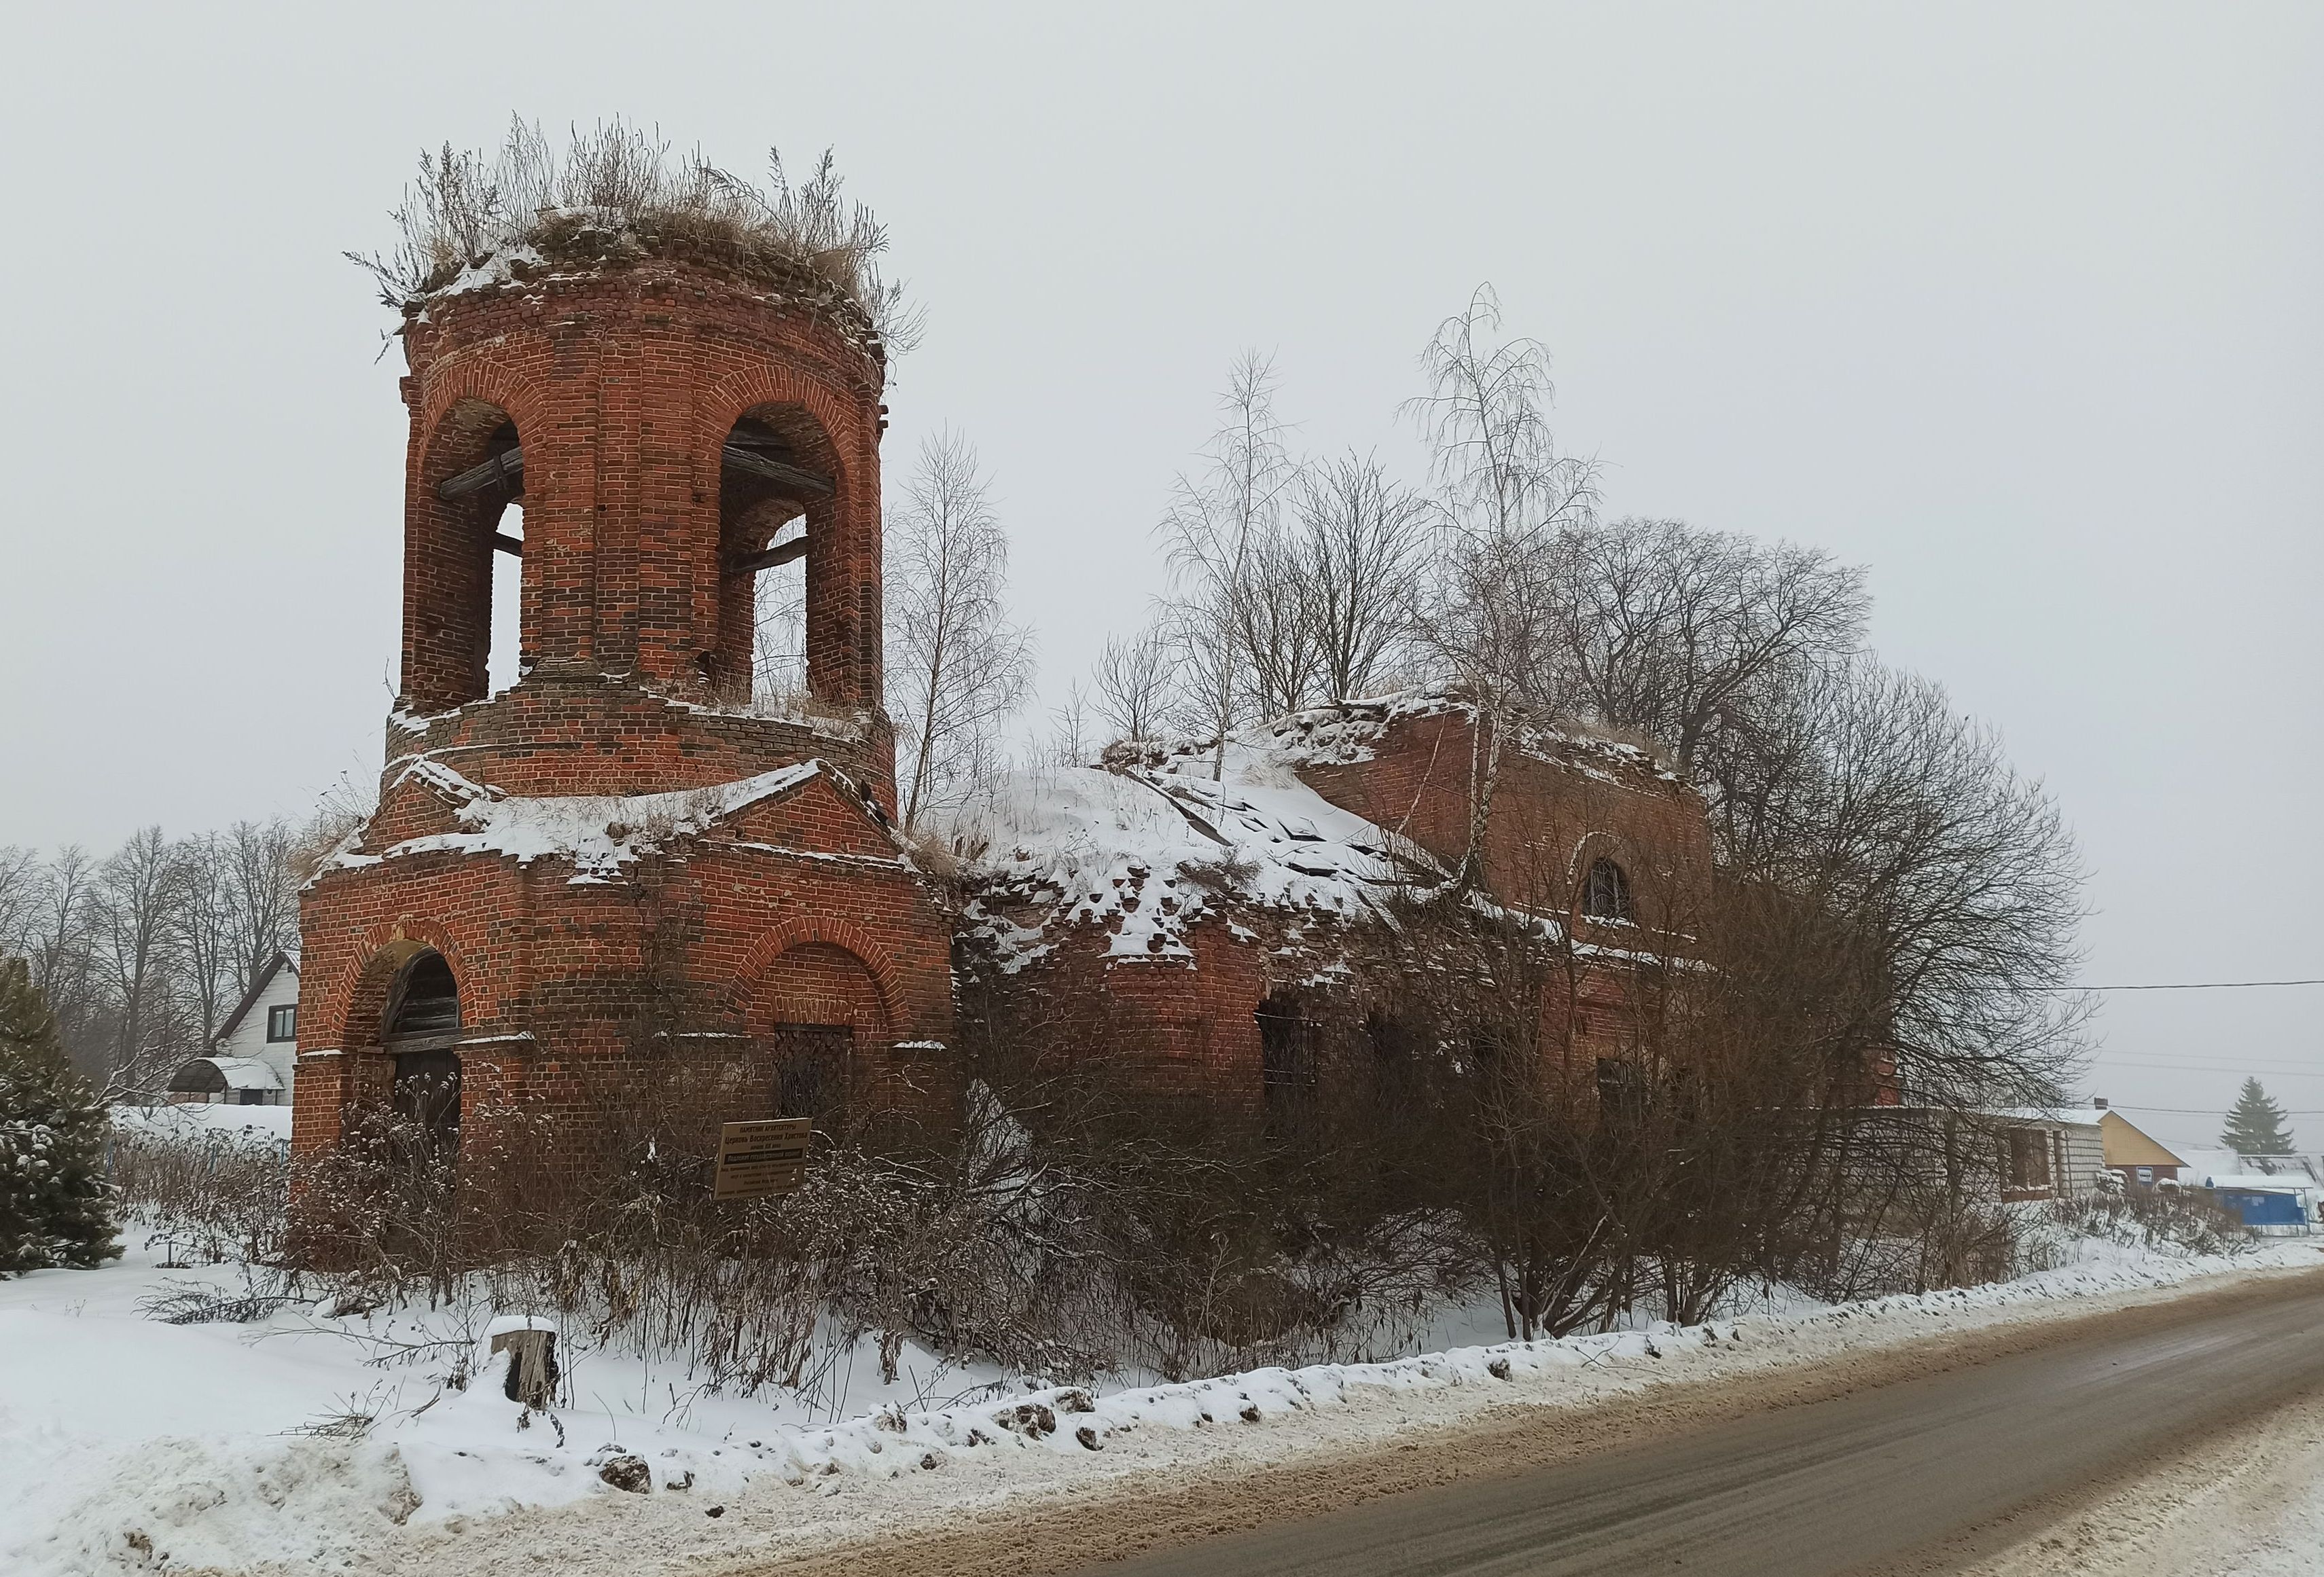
(1137, 683)
(956, 666)
(19, 896)
(138, 889)
(779, 634)
(263, 888)
(204, 947)
(1505, 497)
(1069, 741)
(60, 944)
(1684, 634)
(1282, 646)
(1360, 562)
(1218, 521)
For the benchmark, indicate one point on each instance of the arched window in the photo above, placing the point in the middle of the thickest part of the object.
(1607, 894)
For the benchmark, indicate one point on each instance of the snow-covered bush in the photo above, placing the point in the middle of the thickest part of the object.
(2159, 1221)
(206, 1195)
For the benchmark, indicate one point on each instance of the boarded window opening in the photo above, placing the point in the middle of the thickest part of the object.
(462, 606)
(1288, 1043)
(420, 1028)
(425, 1002)
(1621, 1090)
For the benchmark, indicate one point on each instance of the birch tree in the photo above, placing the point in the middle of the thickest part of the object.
(957, 666)
(1504, 494)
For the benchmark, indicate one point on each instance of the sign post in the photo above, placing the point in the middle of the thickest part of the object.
(756, 1159)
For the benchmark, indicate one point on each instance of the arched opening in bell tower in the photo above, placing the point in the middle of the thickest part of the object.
(778, 488)
(464, 575)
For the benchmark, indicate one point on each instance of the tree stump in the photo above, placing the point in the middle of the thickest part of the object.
(532, 1372)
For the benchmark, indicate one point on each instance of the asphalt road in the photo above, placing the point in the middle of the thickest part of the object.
(1918, 1474)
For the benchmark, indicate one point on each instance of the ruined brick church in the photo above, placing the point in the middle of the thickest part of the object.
(619, 859)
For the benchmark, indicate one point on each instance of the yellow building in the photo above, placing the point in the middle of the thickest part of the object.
(2138, 1157)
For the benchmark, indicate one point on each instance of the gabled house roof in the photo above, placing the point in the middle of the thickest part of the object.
(2127, 1145)
(251, 998)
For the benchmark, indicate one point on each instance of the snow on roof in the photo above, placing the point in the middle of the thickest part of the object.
(2068, 1116)
(245, 1073)
(600, 834)
(1146, 853)
(2262, 1183)
(1348, 731)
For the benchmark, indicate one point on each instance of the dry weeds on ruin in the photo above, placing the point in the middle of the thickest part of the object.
(618, 194)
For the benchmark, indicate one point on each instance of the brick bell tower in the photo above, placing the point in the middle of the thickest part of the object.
(621, 869)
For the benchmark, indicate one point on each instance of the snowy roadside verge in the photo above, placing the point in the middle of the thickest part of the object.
(461, 1486)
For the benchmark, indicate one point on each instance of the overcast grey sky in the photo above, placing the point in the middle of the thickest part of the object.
(2017, 305)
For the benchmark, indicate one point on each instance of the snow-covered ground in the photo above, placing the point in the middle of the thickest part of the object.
(129, 1445)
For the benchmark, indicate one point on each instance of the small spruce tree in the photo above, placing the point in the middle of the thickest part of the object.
(56, 1208)
(2256, 1126)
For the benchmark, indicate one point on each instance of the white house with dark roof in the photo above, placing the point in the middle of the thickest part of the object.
(256, 1051)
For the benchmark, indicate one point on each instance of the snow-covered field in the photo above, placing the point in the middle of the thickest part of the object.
(129, 1445)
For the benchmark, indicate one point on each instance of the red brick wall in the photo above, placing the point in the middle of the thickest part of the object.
(1181, 1026)
(1553, 816)
(623, 387)
(552, 971)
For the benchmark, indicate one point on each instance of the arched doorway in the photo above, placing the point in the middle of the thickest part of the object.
(818, 1017)
(421, 1031)
(1289, 1044)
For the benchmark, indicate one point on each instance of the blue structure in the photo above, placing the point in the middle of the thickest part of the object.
(2276, 1211)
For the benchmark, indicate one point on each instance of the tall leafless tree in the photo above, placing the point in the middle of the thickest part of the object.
(205, 948)
(263, 891)
(1138, 682)
(1684, 634)
(21, 879)
(1281, 638)
(1219, 521)
(140, 887)
(1506, 496)
(957, 667)
(60, 944)
(1362, 538)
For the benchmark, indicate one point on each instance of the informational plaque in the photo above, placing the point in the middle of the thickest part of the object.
(756, 1159)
